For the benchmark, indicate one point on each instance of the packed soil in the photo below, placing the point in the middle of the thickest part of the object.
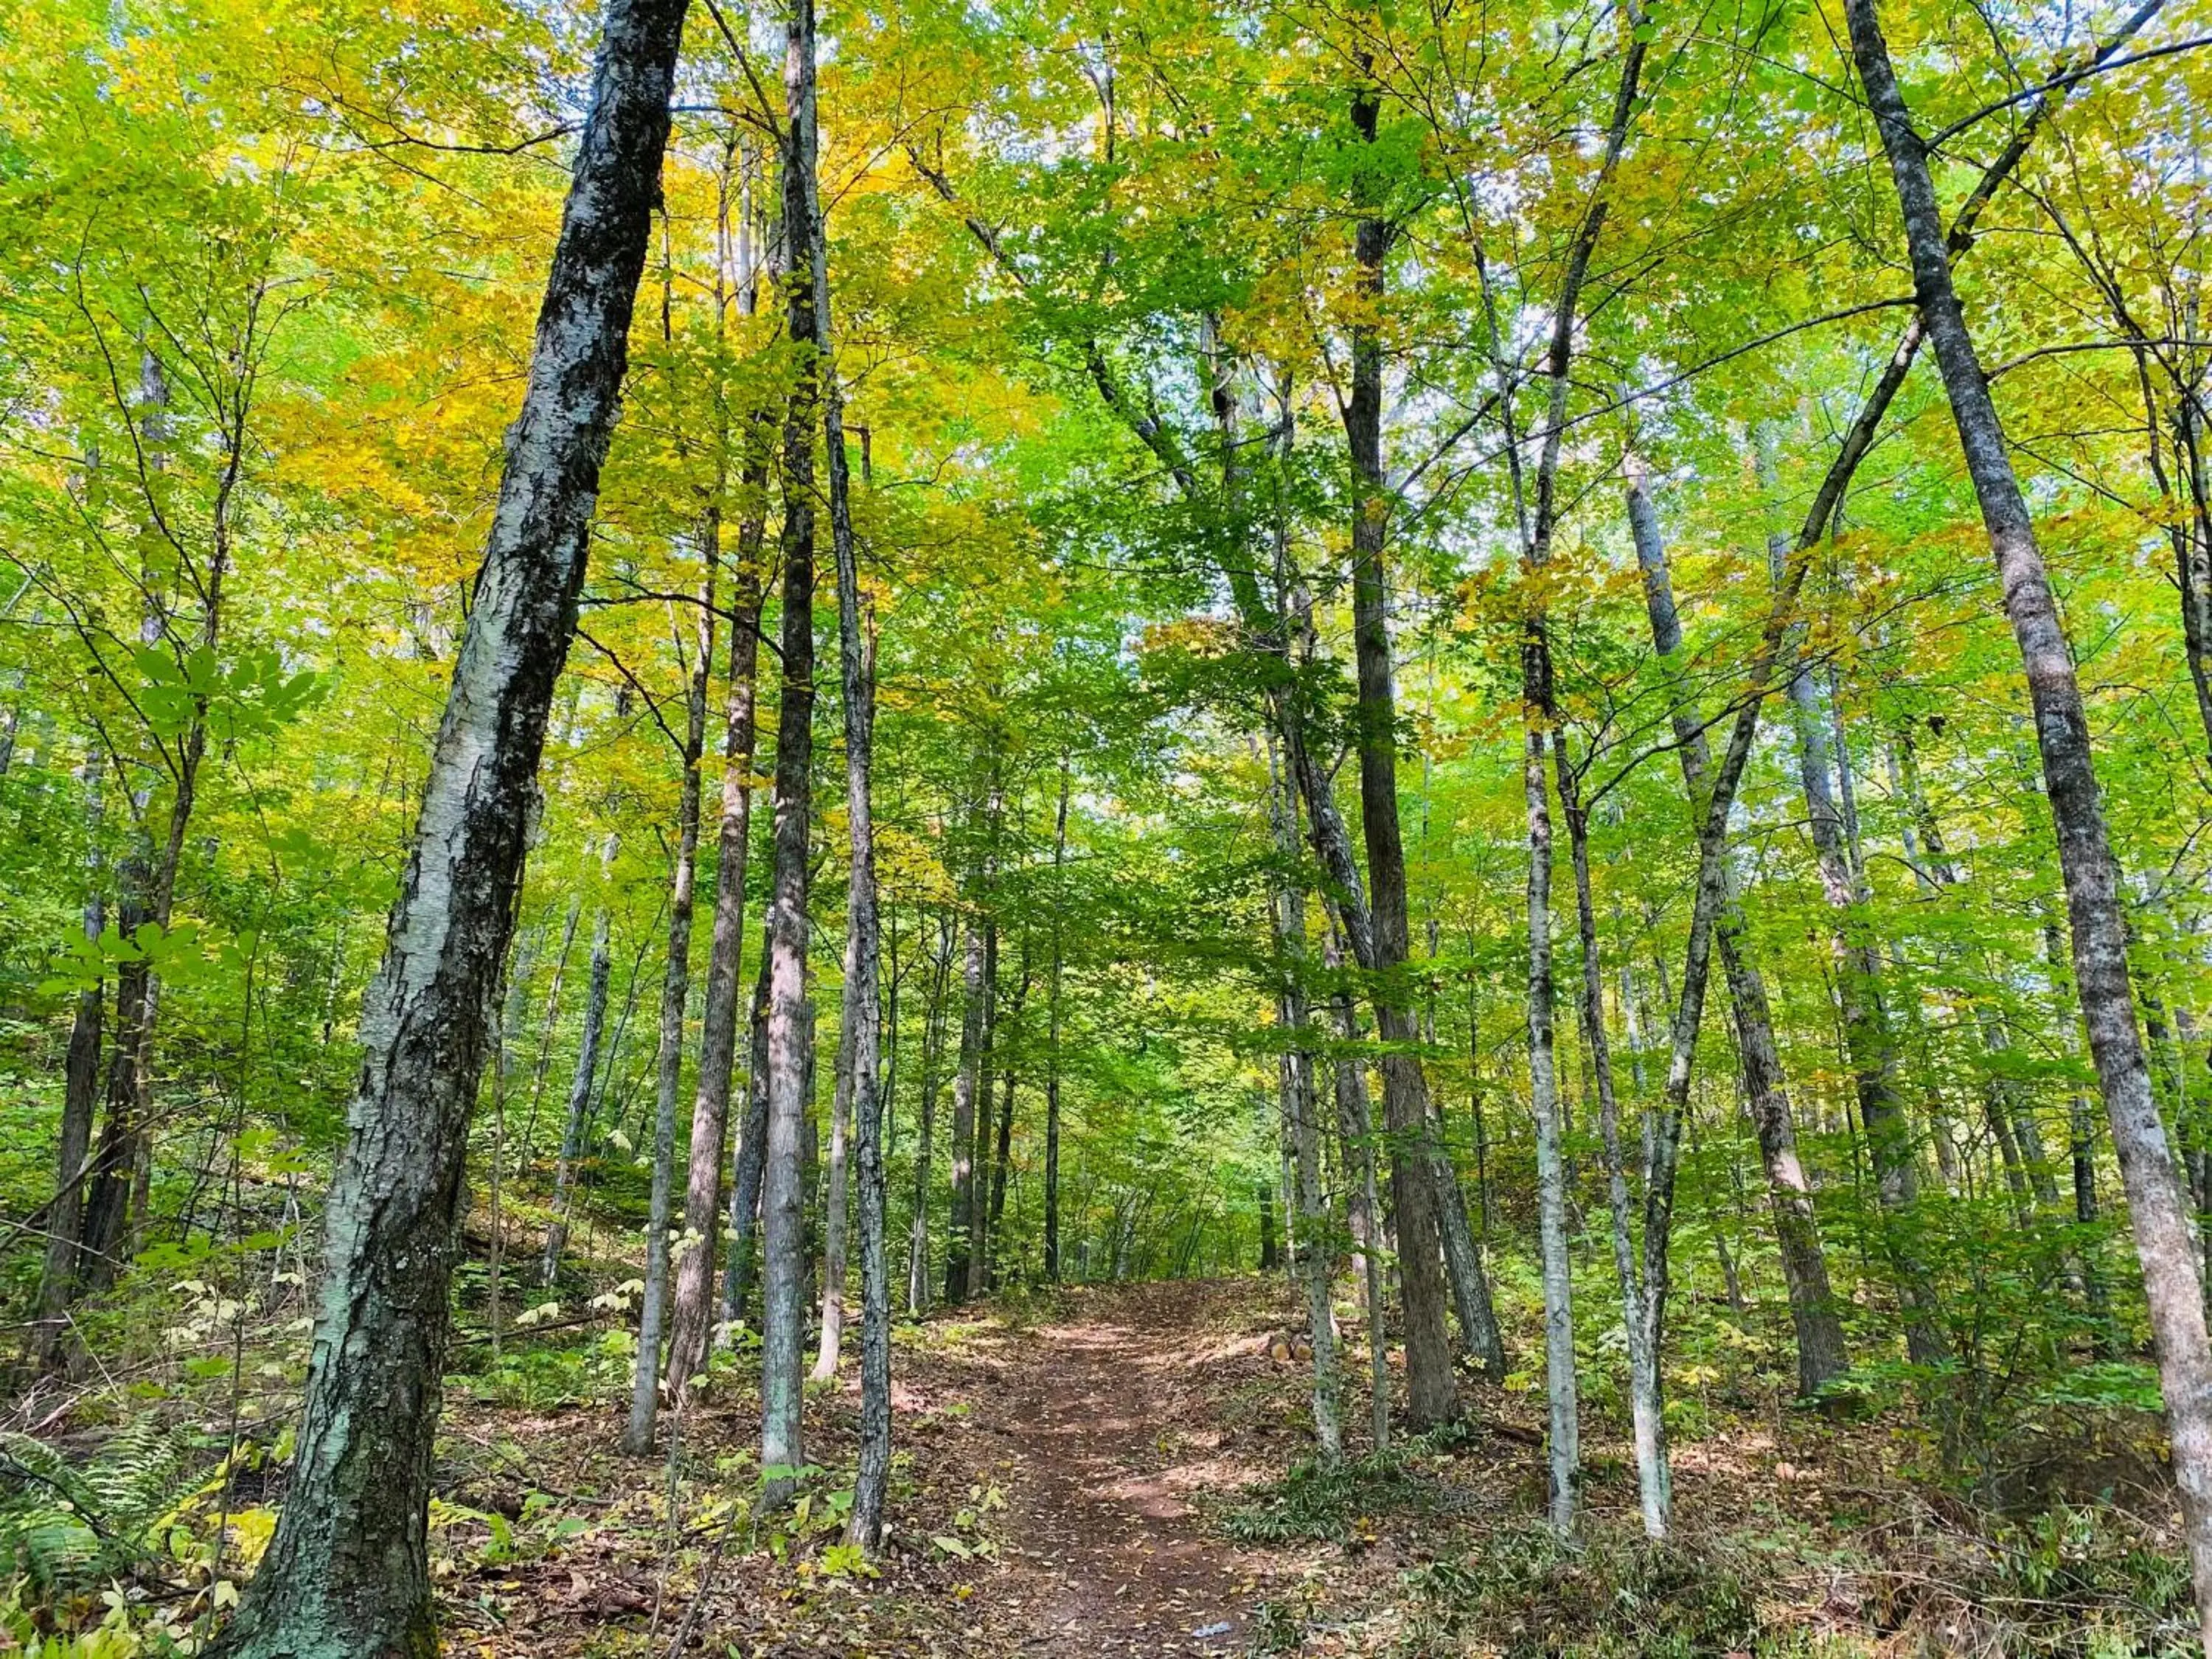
(1057, 1480)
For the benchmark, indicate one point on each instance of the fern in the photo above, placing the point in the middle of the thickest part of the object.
(66, 1526)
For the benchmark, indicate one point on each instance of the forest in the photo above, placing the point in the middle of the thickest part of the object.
(1105, 827)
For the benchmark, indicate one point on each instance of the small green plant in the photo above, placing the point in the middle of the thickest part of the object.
(1531, 1594)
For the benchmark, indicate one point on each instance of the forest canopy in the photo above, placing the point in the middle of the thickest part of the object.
(695, 699)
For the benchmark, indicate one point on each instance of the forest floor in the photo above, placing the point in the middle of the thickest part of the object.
(1122, 1470)
(1114, 1472)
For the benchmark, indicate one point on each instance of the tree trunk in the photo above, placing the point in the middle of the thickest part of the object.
(1432, 1394)
(348, 1570)
(1819, 1333)
(692, 1326)
(1355, 1129)
(1000, 1164)
(1300, 1109)
(587, 1069)
(1052, 1041)
(976, 988)
(751, 1156)
(932, 1055)
(783, 1229)
(80, 1096)
(675, 999)
(861, 1034)
(2158, 1209)
(1868, 1042)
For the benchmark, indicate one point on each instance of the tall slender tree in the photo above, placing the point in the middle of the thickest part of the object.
(348, 1570)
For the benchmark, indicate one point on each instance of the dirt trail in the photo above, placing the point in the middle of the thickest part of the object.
(1108, 1423)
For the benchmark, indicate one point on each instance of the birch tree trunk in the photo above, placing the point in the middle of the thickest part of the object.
(2158, 1209)
(348, 1570)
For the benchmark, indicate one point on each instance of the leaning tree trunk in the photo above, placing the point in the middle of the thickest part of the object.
(675, 998)
(783, 1226)
(1819, 1332)
(2158, 1209)
(348, 1571)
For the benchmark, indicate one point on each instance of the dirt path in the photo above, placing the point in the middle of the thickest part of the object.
(1109, 1428)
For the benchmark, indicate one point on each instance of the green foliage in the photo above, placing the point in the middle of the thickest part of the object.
(69, 1525)
(1534, 1595)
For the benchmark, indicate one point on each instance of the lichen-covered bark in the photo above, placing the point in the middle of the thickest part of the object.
(346, 1575)
(2158, 1207)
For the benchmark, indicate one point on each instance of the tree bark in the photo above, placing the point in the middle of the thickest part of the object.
(860, 1038)
(1300, 1109)
(1869, 1041)
(976, 988)
(1355, 1129)
(783, 1240)
(750, 1157)
(1432, 1394)
(1052, 1040)
(2158, 1209)
(348, 1570)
